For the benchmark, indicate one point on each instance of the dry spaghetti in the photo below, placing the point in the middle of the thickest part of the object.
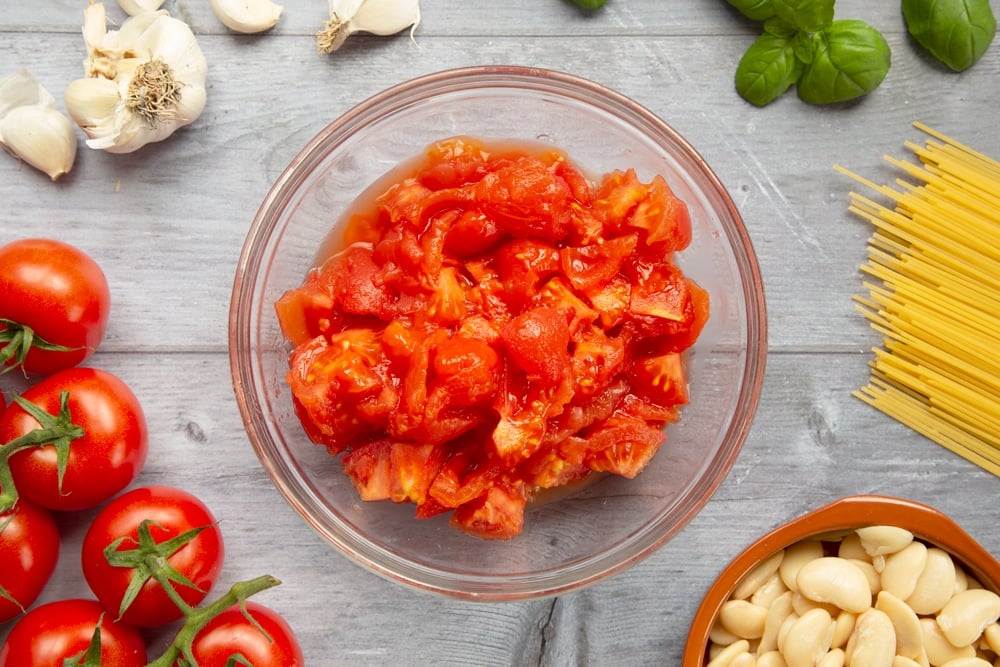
(933, 281)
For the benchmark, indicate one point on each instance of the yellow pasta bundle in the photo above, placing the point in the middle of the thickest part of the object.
(934, 294)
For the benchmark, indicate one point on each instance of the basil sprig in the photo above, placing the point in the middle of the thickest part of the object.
(829, 61)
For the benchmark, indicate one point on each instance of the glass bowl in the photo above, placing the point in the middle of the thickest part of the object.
(834, 520)
(587, 535)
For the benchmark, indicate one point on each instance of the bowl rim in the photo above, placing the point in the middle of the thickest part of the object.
(927, 524)
(564, 84)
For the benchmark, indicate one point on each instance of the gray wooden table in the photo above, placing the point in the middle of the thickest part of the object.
(167, 224)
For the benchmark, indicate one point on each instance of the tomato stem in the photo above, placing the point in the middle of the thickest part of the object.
(195, 619)
(18, 340)
(56, 430)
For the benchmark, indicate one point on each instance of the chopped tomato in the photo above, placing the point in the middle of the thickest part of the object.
(662, 379)
(497, 514)
(495, 325)
(537, 341)
(392, 470)
(623, 445)
(664, 217)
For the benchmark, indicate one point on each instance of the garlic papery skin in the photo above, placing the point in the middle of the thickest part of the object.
(32, 129)
(379, 17)
(136, 7)
(247, 16)
(143, 81)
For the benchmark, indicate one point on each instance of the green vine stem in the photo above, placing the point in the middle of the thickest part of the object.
(56, 430)
(195, 619)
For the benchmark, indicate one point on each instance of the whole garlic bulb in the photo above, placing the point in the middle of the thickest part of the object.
(32, 129)
(143, 81)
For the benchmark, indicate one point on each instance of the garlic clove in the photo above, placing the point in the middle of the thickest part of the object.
(41, 136)
(136, 7)
(379, 17)
(172, 41)
(32, 129)
(247, 16)
(386, 17)
(90, 101)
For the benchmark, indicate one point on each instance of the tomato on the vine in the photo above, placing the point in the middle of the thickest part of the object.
(50, 634)
(29, 551)
(231, 633)
(122, 531)
(102, 462)
(54, 305)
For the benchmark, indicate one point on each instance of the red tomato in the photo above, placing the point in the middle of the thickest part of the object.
(53, 632)
(232, 633)
(104, 461)
(171, 512)
(60, 294)
(29, 550)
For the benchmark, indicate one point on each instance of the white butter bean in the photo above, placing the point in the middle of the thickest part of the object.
(744, 660)
(873, 643)
(939, 650)
(909, 637)
(874, 577)
(808, 639)
(796, 556)
(771, 659)
(801, 604)
(769, 591)
(967, 662)
(758, 576)
(835, 658)
(726, 656)
(966, 615)
(992, 637)
(936, 584)
(843, 628)
(719, 635)
(779, 610)
(900, 661)
(903, 568)
(743, 618)
(835, 581)
(882, 540)
(852, 549)
(783, 631)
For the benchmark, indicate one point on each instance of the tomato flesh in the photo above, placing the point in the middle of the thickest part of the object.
(495, 325)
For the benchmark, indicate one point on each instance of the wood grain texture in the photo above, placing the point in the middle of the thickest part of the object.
(167, 224)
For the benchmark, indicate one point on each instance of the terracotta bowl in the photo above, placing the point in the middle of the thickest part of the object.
(926, 523)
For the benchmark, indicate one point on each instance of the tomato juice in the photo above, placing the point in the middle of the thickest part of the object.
(486, 325)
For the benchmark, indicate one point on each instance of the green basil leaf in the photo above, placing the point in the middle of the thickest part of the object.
(808, 15)
(802, 45)
(850, 59)
(956, 32)
(757, 10)
(779, 28)
(767, 69)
